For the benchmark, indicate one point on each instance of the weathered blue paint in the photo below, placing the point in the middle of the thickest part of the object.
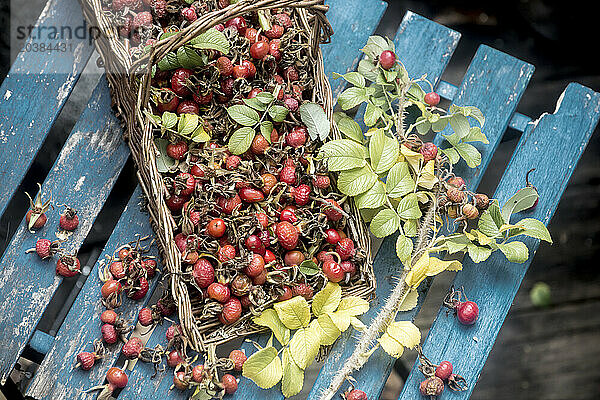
(82, 177)
(55, 378)
(494, 283)
(351, 33)
(428, 47)
(34, 92)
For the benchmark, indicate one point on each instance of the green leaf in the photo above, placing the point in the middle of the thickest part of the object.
(264, 368)
(200, 135)
(356, 181)
(269, 319)
(377, 45)
(327, 330)
(353, 78)
(367, 69)
(534, 228)
(408, 207)
(327, 300)
(212, 39)
(278, 113)
(457, 244)
(343, 154)
(266, 128)
(372, 198)
(169, 62)
(243, 115)
(470, 111)
(410, 227)
(353, 305)
(478, 253)
(469, 153)
(256, 104)
(308, 267)
(452, 155)
(540, 295)
(460, 125)
(440, 124)
(348, 127)
(372, 114)
(304, 346)
(423, 126)
(189, 58)
(315, 119)
(383, 151)
(475, 135)
(163, 162)
(514, 251)
(352, 97)
(293, 376)
(399, 181)
(187, 124)
(524, 199)
(404, 248)
(293, 313)
(385, 223)
(241, 140)
(169, 120)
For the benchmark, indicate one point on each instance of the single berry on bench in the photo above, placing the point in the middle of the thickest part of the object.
(467, 312)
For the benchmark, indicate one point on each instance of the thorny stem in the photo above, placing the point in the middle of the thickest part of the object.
(383, 318)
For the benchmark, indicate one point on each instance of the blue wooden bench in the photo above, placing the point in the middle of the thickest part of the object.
(94, 155)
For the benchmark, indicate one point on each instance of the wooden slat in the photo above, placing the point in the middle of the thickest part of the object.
(425, 48)
(34, 92)
(55, 378)
(353, 22)
(82, 177)
(494, 283)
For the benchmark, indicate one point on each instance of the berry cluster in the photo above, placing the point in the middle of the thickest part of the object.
(461, 204)
(438, 376)
(262, 225)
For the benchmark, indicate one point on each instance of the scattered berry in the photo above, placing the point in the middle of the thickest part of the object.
(287, 235)
(444, 370)
(230, 383)
(467, 312)
(145, 317)
(132, 348)
(239, 358)
(356, 394)
(68, 266)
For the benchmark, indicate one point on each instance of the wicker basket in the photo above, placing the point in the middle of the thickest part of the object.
(130, 80)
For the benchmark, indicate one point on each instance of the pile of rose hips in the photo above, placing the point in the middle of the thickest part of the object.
(265, 225)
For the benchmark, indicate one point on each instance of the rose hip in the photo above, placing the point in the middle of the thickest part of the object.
(467, 312)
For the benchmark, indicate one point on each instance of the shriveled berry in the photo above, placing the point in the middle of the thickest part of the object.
(322, 181)
(232, 162)
(432, 98)
(291, 74)
(189, 14)
(226, 253)
(254, 244)
(470, 211)
(387, 59)
(43, 248)
(455, 195)
(429, 151)
(86, 360)
(444, 370)
(275, 32)
(141, 289)
(259, 145)
(332, 212)
(251, 34)
(301, 194)
(345, 248)
(288, 175)
(110, 287)
(171, 104)
(224, 66)
(256, 266)
(482, 201)
(274, 49)
(117, 270)
(132, 348)
(69, 221)
(216, 228)
(116, 377)
(269, 182)
(149, 266)
(467, 312)
(251, 68)
(288, 215)
(239, 358)
(263, 219)
(284, 20)
(303, 290)
(68, 266)
(287, 235)
(286, 295)
(180, 381)
(219, 292)
(177, 150)
(356, 394)
(180, 81)
(109, 333)
(145, 317)
(323, 256)
(173, 331)
(333, 237)
(291, 104)
(109, 317)
(198, 373)
(142, 20)
(232, 311)
(186, 184)
(188, 107)
(348, 267)
(230, 383)
(197, 171)
(203, 273)
(175, 203)
(456, 181)
(39, 223)
(254, 92)
(333, 271)
(269, 256)
(432, 386)
(240, 285)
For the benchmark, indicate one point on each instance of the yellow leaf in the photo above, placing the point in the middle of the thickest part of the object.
(404, 332)
(294, 313)
(436, 266)
(341, 319)
(419, 271)
(410, 301)
(304, 346)
(293, 376)
(354, 305)
(391, 346)
(264, 368)
(326, 328)
(269, 319)
(413, 158)
(327, 300)
(427, 178)
(483, 239)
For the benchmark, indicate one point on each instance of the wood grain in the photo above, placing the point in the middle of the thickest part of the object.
(35, 91)
(493, 284)
(82, 177)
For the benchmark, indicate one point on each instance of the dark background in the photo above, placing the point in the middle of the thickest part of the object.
(547, 353)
